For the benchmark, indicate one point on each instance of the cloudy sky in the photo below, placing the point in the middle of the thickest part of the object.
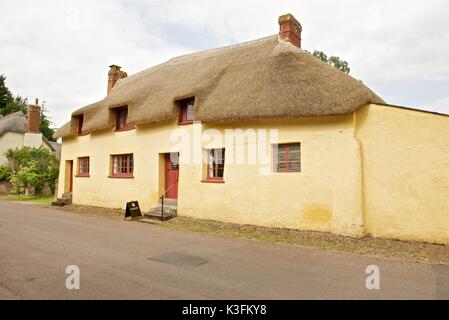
(60, 51)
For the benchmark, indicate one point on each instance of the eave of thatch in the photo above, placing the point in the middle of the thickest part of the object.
(262, 79)
(14, 122)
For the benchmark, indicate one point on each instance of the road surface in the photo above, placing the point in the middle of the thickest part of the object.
(129, 260)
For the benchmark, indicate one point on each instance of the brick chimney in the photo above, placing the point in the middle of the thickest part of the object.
(290, 30)
(34, 117)
(114, 75)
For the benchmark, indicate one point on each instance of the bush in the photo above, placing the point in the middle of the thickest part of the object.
(26, 176)
(32, 167)
(5, 173)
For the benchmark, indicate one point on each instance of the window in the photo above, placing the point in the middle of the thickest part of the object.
(215, 165)
(287, 157)
(186, 113)
(80, 124)
(83, 167)
(122, 166)
(121, 115)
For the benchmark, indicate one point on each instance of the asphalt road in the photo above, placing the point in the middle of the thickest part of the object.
(126, 260)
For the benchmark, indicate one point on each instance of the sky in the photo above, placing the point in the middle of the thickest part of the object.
(59, 51)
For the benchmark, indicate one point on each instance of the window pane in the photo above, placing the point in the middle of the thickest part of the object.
(282, 157)
(80, 124)
(174, 161)
(294, 148)
(282, 167)
(189, 111)
(122, 119)
(294, 152)
(125, 164)
(116, 165)
(219, 156)
(282, 148)
(211, 164)
(282, 153)
(220, 170)
(294, 166)
(211, 172)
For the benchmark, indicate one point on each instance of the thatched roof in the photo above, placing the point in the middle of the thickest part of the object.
(17, 122)
(261, 79)
(14, 122)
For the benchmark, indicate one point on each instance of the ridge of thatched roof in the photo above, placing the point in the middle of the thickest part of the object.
(14, 122)
(261, 79)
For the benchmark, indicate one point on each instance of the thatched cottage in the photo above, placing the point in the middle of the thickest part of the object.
(261, 133)
(19, 130)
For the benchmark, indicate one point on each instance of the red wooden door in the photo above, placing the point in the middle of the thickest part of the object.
(171, 175)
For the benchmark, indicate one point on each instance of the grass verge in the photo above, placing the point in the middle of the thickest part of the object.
(367, 246)
(39, 200)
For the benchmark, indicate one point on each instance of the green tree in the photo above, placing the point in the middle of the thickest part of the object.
(32, 167)
(25, 177)
(46, 123)
(5, 94)
(334, 61)
(10, 104)
(5, 173)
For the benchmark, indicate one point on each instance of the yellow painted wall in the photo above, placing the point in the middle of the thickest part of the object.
(382, 171)
(9, 140)
(325, 196)
(405, 173)
(34, 140)
(145, 143)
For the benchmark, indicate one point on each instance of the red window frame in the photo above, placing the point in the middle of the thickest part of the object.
(289, 163)
(80, 125)
(122, 166)
(215, 163)
(187, 111)
(83, 167)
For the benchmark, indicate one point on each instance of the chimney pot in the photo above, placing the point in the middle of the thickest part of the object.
(290, 30)
(114, 75)
(34, 117)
